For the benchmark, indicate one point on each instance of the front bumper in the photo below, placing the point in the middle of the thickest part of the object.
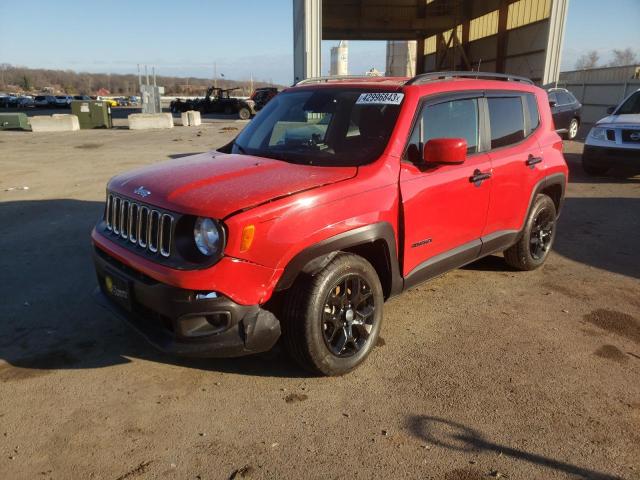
(611, 156)
(177, 322)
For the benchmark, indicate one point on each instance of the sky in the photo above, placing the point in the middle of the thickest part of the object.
(242, 38)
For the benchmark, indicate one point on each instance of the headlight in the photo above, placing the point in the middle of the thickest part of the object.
(207, 236)
(598, 133)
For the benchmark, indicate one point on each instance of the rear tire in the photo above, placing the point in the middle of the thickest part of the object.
(572, 131)
(533, 247)
(244, 113)
(331, 320)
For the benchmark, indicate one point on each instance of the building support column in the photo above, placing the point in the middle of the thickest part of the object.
(501, 44)
(307, 39)
(555, 38)
(420, 55)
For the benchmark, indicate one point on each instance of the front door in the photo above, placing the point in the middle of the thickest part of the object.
(444, 207)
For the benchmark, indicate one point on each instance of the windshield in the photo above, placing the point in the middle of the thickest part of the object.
(325, 127)
(631, 106)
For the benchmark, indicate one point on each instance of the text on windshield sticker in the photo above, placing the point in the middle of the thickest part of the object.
(380, 98)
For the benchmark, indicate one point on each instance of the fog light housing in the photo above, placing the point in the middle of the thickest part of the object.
(203, 324)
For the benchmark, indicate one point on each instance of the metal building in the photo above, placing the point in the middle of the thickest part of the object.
(522, 37)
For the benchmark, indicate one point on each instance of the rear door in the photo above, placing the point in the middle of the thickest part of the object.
(516, 160)
(444, 211)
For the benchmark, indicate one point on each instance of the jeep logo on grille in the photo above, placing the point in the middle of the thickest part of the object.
(143, 192)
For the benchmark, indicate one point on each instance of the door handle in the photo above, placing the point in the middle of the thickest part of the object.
(478, 177)
(531, 161)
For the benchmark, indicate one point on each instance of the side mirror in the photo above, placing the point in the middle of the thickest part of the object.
(610, 110)
(445, 151)
(552, 103)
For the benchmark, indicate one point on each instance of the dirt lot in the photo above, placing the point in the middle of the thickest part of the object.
(483, 373)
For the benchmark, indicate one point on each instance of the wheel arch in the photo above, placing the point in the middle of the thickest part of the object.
(375, 243)
(554, 187)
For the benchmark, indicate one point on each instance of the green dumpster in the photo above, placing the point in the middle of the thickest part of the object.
(14, 121)
(92, 114)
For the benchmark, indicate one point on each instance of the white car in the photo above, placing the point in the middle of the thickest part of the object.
(614, 140)
(63, 101)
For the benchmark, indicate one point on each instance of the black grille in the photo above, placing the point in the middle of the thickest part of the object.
(631, 136)
(138, 224)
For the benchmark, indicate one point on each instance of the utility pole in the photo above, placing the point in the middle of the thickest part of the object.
(215, 75)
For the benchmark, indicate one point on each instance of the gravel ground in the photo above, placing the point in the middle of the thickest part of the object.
(484, 372)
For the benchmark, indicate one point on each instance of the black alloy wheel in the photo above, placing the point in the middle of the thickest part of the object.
(534, 243)
(541, 233)
(348, 316)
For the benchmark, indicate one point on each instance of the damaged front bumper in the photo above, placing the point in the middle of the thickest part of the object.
(183, 322)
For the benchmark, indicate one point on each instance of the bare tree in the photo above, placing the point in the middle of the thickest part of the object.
(67, 81)
(588, 60)
(624, 57)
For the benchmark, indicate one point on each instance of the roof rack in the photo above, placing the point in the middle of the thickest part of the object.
(431, 76)
(336, 77)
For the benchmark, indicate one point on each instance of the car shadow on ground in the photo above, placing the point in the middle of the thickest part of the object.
(614, 175)
(50, 319)
(461, 438)
(601, 232)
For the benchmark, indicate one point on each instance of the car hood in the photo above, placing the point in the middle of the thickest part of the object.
(631, 120)
(216, 185)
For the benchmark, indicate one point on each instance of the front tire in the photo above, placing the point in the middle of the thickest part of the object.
(331, 320)
(533, 248)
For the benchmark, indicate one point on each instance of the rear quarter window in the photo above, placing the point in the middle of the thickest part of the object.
(506, 117)
(532, 111)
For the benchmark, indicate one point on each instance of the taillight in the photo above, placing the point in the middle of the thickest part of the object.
(558, 145)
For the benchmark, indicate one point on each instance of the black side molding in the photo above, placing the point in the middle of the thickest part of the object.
(449, 260)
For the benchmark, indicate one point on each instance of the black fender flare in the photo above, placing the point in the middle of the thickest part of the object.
(316, 257)
(559, 179)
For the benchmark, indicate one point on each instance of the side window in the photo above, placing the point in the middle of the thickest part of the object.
(564, 98)
(453, 119)
(534, 114)
(507, 121)
(553, 97)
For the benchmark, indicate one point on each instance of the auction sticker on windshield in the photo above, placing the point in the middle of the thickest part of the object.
(380, 98)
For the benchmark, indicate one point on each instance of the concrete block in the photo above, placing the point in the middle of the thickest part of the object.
(55, 123)
(194, 118)
(146, 121)
(191, 118)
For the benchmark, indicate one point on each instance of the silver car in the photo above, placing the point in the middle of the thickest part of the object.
(614, 140)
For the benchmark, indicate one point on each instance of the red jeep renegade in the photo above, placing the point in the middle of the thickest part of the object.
(340, 194)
